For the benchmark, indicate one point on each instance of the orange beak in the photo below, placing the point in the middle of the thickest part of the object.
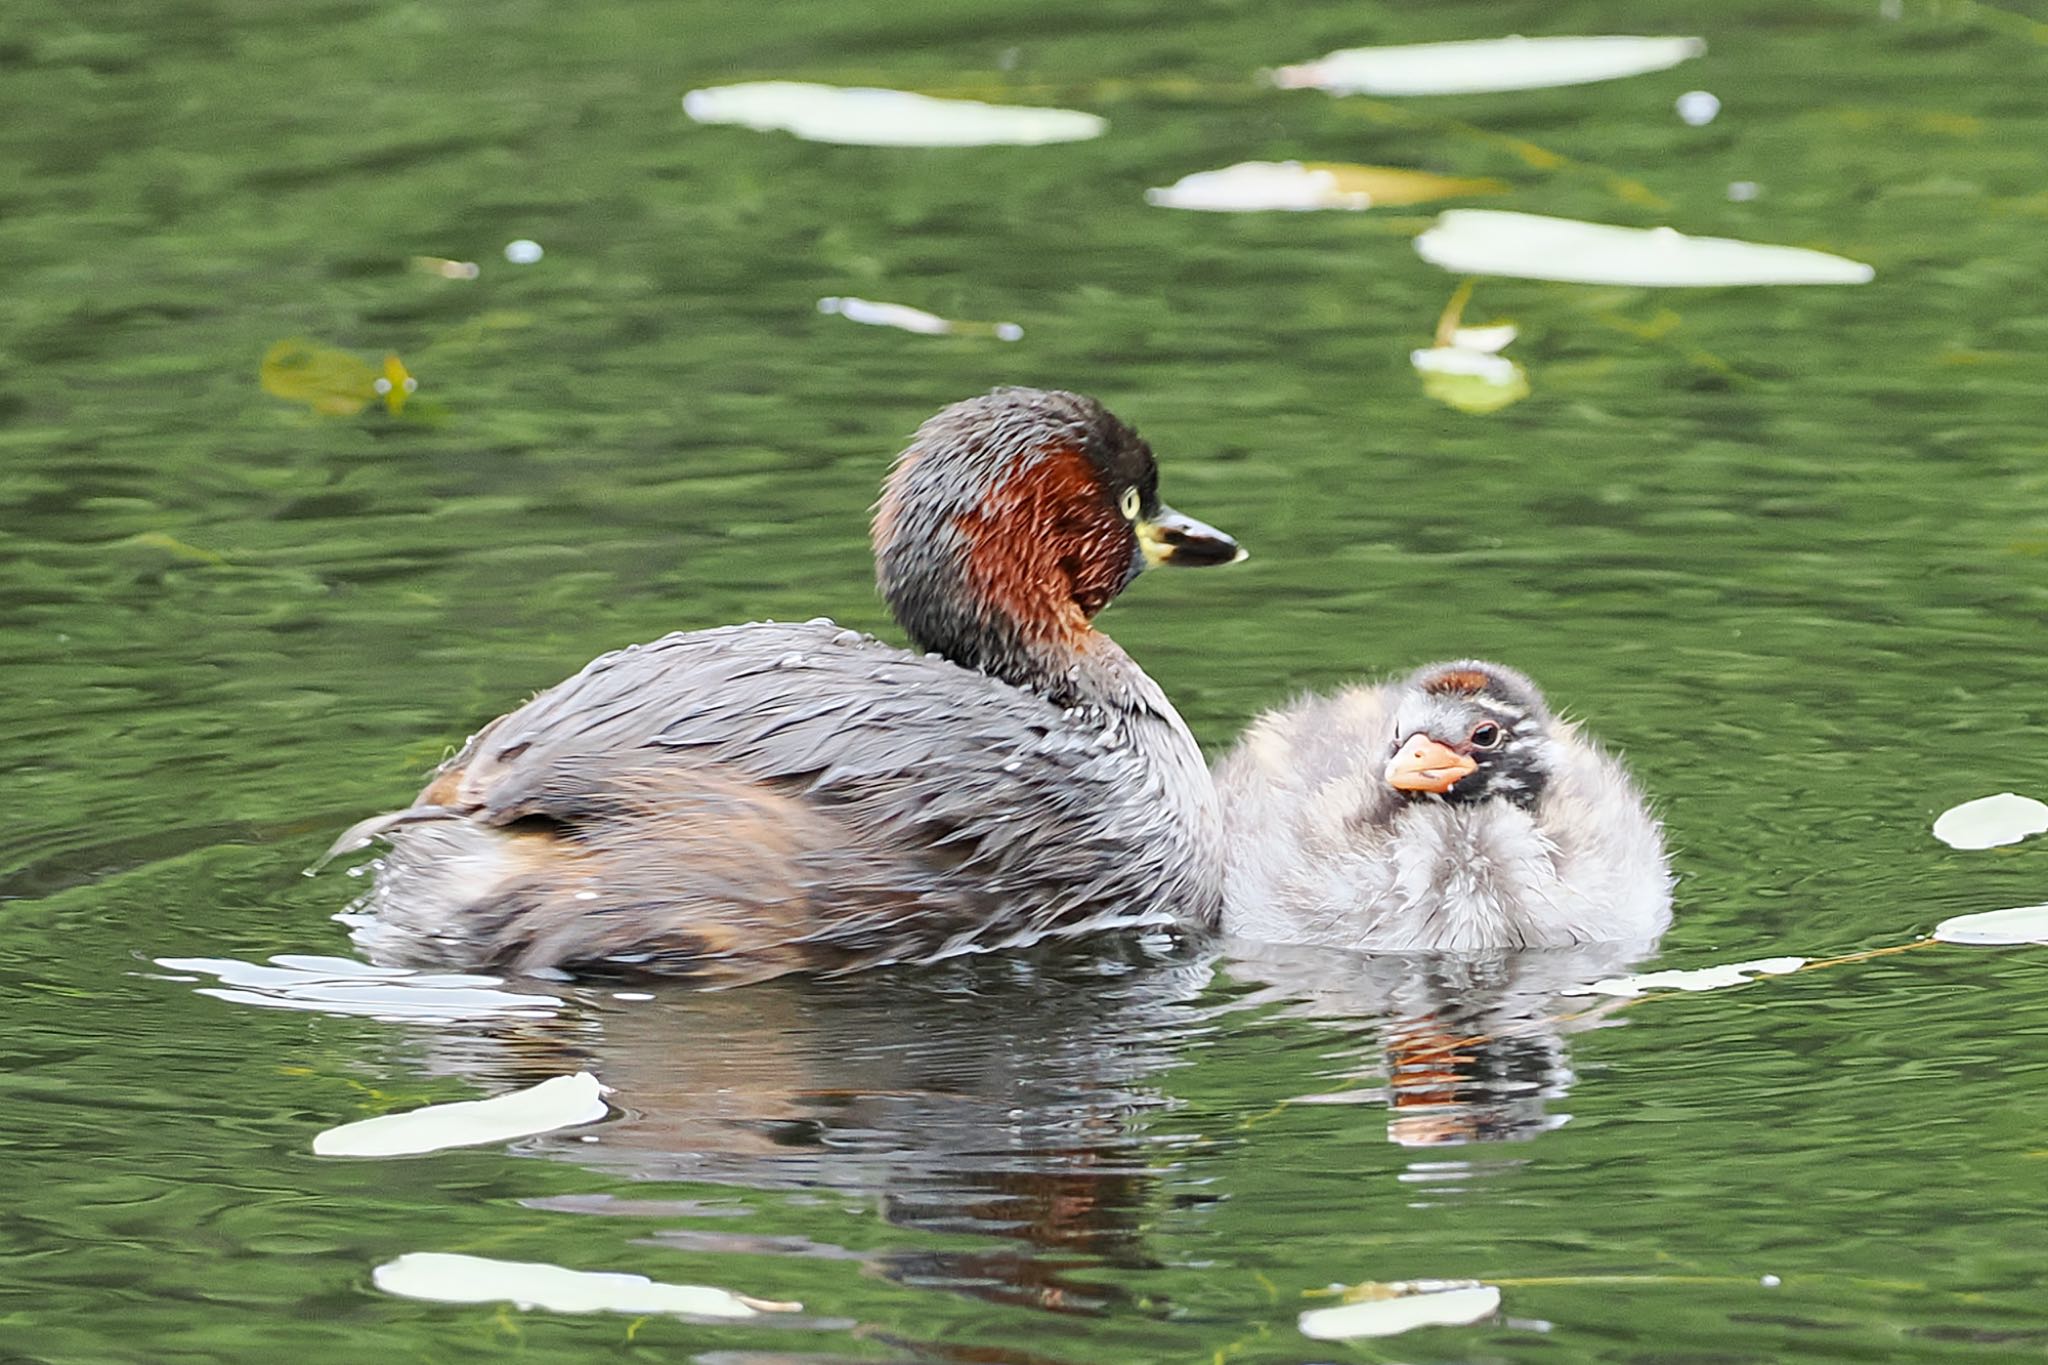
(1426, 765)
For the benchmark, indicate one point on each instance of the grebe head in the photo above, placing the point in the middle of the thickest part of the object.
(1015, 517)
(1471, 731)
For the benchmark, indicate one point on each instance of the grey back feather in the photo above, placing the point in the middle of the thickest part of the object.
(997, 815)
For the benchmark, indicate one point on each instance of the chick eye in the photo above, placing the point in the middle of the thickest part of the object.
(1486, 736)
(1129, 503)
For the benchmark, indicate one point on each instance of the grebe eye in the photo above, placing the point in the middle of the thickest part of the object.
(1486, 736)
(1129, 504)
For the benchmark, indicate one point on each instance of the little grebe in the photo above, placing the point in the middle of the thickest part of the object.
(1449, 810)
(740, 802)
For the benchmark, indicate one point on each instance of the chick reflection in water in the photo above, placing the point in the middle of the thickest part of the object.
(1474, 855)
(1464, 1047)
(1006, 1100)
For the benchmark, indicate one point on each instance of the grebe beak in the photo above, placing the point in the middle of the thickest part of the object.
(1170, 538)
(1423, 764)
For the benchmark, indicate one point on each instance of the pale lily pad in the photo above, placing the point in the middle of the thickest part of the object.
(1533, 247)
(1997, 928)
(339, 985)
(446, 1277)
(905, 318)
(1255, 186)
(1385, 1310)
(1991, 820)
(885, 118)
(1692, 978)
(563, 1102)
(1488, 64)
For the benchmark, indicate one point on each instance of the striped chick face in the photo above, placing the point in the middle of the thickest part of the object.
(1470, 731)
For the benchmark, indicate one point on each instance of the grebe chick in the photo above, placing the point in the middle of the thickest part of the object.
(1448, 810)
(745, 801)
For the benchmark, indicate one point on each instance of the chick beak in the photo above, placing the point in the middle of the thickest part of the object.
(1423, 764)
(1167, 537)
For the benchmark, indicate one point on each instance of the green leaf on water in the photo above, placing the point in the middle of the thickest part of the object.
(331, 382)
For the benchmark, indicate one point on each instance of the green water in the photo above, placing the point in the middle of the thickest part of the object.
(1783, 547)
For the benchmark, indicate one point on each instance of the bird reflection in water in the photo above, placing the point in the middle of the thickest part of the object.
(1013, 1099)
(1002, 1098)
(1466, 1047)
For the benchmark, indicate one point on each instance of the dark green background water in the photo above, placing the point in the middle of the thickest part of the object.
(1786, 553)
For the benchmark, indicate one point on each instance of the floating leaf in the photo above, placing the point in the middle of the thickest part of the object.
(563, 1102)
(1530, 246)
(909, 319)
(339, 985)
(1252, 186)
(884, 118)
(1385, 1310)
(1693, 978)
(446, 1277)
(1486, 65)
(1991, 820)
(325, 380)
(1465, 369)
(333, 382)
(1469, 379)
(2021, 924)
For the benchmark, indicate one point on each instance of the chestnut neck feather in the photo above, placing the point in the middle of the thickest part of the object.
(1010, 583)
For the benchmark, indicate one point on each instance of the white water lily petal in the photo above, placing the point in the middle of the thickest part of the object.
(1534, 247)
(327, 985)
(1402, 1308)
(1486, 65)
(885, 118)
(446, 1277)
(1692, 978)
(1465, 361)
(1257, 186)
(905, 318)
(898, 315)
(1492, 338)
(2021, 924)
(563, 1102)
(1252, 186)
(1991, 820)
